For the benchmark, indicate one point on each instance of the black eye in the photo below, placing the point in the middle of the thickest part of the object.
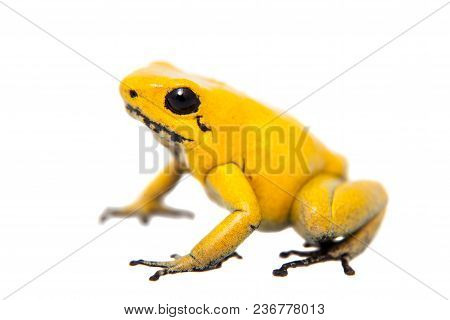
(182, 101)
(133, 94)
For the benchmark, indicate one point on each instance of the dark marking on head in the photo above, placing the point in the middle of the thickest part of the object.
(155, 126)
(201, 125)
(133, 93)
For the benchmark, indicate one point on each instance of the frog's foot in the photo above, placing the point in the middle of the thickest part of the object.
(180, 264)
(145, 215)
(327, 252)
(219, 264)
(307, 244)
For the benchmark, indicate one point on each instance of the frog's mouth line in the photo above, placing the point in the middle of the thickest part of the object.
(154, 126)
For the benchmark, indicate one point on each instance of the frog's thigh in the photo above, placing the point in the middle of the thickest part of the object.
(328, 207)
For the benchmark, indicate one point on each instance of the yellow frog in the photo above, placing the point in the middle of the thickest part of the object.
(268, 170)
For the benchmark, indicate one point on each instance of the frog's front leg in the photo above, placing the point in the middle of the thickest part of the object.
(150, 202)
(231, 185)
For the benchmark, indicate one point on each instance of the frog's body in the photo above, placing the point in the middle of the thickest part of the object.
(267, 169)
(260, 157)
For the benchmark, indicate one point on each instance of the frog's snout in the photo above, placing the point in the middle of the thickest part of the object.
(128, 90)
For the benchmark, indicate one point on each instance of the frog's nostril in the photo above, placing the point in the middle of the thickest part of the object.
(133, 94)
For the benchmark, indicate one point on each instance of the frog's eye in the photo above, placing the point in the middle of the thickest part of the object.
(182, 101)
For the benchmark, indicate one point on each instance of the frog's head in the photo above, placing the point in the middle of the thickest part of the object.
(178, 107)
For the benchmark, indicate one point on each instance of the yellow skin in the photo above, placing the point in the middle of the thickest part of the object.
(282, 177)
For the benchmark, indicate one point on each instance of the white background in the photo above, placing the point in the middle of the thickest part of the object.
(68, 150)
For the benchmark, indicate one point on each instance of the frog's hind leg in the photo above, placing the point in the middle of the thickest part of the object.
(343, 250)
(327, 208)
